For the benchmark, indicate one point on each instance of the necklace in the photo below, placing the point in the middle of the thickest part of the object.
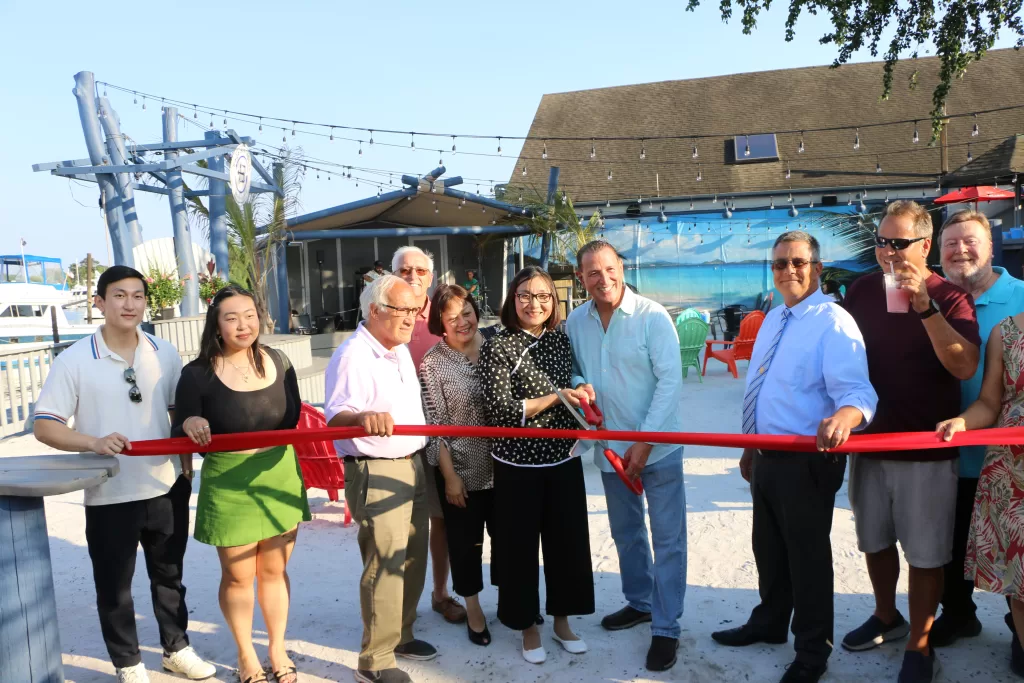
(244, 373)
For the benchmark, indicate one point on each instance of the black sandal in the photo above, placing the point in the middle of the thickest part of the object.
(478, 638)
(260, 677)
(287, 671)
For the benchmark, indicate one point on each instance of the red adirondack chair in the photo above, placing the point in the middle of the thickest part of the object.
(738, 349)
(321, 466)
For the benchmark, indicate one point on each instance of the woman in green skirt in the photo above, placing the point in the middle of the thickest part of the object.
(250, 502)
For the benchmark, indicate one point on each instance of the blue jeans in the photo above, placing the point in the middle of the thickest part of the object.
(660, 591)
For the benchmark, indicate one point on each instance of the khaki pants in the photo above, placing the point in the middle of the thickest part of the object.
(388, 500)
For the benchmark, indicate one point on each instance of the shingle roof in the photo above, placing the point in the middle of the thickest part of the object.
(770, 101)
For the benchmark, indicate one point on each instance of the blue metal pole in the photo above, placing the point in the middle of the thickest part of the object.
(218, 215)
(545, 241)
(179, 221)
(115, 146)
(85, 93)
(282, 316)
(30, 649)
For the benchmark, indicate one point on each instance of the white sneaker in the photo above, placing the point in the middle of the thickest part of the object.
(190, 664)
(133, 674)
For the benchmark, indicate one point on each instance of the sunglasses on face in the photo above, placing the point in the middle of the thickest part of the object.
(133, 393)
(897, 243)
(798, 263)
(405, 272)
(525, 297)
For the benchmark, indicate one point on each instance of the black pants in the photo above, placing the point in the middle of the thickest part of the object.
(465, 527)
(542, 507)
(113, 533)
(794, 495)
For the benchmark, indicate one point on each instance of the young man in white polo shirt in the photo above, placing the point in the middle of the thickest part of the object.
(118, 386)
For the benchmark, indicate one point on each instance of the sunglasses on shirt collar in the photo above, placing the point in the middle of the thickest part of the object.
(898, 243)
(133, 392)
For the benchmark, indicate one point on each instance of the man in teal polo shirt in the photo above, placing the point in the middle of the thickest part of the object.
(966, 253)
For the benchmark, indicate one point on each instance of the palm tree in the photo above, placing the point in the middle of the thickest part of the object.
(559, 223)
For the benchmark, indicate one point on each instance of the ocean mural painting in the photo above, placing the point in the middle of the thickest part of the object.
(707, 261)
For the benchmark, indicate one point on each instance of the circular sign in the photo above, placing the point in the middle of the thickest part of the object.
(240, 174)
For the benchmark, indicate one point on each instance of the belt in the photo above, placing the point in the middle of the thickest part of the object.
(363, 458)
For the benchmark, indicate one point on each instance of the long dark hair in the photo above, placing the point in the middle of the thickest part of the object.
(210, 346)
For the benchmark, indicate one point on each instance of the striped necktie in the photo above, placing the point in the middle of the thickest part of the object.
(754, 388)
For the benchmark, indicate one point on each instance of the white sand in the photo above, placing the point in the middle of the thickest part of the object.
(324, 628)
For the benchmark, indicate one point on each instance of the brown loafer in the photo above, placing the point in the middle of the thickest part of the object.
(450, 609)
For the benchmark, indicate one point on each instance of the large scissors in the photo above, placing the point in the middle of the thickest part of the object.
(593, 419)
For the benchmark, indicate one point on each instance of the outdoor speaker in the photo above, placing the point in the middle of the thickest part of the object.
(320, 256)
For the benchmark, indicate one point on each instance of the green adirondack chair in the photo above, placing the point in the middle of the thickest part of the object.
(693, 332)
(687, 313)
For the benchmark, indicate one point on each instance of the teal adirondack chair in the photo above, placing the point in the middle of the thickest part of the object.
(687, 313)
(693, 332)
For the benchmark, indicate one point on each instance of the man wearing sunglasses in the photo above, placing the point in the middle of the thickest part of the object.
(808, 375)
(118, 385)
(916, 361)
(416, 267)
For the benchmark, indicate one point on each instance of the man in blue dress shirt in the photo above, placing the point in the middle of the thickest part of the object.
(966, 255)
(808, 375)
(626, 353)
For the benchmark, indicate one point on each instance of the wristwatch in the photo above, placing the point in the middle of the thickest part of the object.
(932, 309)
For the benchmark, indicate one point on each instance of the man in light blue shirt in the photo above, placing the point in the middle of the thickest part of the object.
(966, 255)
(626, 355)
(808, 374)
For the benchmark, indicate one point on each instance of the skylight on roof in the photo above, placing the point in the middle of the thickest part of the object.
(749, 148)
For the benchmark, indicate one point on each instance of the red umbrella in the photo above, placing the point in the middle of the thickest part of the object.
(983, 193)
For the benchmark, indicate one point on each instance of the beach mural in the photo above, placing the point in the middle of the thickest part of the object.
(707, 261)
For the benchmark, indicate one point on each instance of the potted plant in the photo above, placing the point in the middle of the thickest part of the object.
(165, 291)
(210, 284)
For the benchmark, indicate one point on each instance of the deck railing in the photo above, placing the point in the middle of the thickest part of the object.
(22, 373)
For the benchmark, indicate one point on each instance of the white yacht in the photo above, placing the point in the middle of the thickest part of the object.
(25, 315)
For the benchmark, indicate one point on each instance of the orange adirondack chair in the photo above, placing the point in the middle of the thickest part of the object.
(738, 349)
(320, 464)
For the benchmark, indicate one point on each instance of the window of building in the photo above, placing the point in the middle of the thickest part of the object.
(752, 148)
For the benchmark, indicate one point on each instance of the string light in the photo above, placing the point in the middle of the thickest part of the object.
(771, 202)
(544, 153)
(975, 131)
(691, 205)
(211, 121)
(371, 137)
(917, 138)
(440, 159)
(225, 117)
(331, 139)
(453, 144)
(727, 213)
(293, 128)
(699, 175)
(609, 174)
(195, 115)
(746, 145)
(970, 157)
(695, 152)
(135, 98)
(593, 149)
(878, 164)
(856, 139)
(499, 146)
(412, 140)
(524, 169)
(789, 172)
(360, 148)
(793, 213)
(643, 150)
(800, 149)
(261, 124)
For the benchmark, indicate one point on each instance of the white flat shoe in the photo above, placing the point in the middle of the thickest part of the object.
(536, 656)
(576, 647)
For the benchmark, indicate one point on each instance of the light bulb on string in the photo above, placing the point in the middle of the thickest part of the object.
(360, 148)
(700, 176)
(412, 140)
(143, 102)
(849, 199)
(544, 153)
(793, 213)
(608, 204)
(609, 174)
(331, 139)
(916, 138)
(970, 157)
(800, 149)
(520, 196)
(771, 202)
(861, 206)
(887, 196)
(714, 200)
(524, 169)
(225, 117)
(261, 124)
(499, 146)
(593, 149)
(789, 172)
(878, 165)
(293, 129)
(135, 98)
(643, 150)
(440, 159)
(856, 139)
(790, 198)
(483, 209)
(650, 204)
(811, 205)
(695, 153)
(727, 213)
(104, 89)
(195, 115)
(746, 145)
(691, 205)
(974, 130)
(211, 121)
(379, 191)
(564, 197)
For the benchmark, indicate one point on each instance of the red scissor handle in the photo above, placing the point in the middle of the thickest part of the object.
(591, 413)
(634, 485)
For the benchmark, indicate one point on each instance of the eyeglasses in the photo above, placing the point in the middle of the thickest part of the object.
(133, 393)
(798, 263)
(898, 243)
(403, 312)
(409, 271)
(542, 297)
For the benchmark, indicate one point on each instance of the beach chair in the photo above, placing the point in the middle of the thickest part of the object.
(737, 349)
(693, 334)
(687, 313)
(320, 464)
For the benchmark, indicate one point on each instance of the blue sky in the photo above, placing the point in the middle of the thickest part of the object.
(469, 67)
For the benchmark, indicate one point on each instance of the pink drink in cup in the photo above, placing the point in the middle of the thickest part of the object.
(897, 300)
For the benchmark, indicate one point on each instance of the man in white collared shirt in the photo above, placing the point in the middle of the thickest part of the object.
(372, 383)
(808, 374)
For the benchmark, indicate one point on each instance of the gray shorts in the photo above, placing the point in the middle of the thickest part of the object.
(433, 497)
(910, 502)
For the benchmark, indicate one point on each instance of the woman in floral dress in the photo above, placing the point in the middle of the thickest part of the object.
(995, 547)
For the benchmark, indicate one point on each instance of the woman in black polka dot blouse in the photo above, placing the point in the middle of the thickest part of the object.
(539, 495)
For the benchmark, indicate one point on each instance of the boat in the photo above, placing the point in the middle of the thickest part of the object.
(27, 311)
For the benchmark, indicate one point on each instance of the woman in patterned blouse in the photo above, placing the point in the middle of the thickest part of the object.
(452, 395)
(539, 494)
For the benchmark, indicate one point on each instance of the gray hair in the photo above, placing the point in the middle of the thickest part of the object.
(968, 216)
(402, 251)
(922, 219)
(593, 247)
(377, 293)
(800, 236)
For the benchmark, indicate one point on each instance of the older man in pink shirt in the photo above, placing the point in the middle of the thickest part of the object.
(416, 267)
(371, 382)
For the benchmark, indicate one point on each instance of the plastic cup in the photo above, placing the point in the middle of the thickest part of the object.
(897, 300)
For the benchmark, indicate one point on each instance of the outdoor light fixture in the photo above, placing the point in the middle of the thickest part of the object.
(643, 150)
(593, 149)
(970, 157)
(746, 145)
(878, 165)
(793, 212)
(975, 131)
(499, 145)
(225, 117)
(143, 101)
(800, 149)
(856, 139)
(789, 173)
(371, 137)
(727, 213)
(849, 199)
(440, 160)
(360, 148)
(135, 99)
(412, 140)
(917, 138)
(695, 152)
(714, 200)
(699, 175)
(544, 154)
(331, 139)
(862, 207)
(524, 169)
(771, 202)
(608, 204)
(691, 206)
(293, 129)
(609, 174)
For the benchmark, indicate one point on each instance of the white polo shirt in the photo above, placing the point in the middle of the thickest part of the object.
(86, 390)
(363, 376)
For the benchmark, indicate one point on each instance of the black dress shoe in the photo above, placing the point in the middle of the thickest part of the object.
(1017, 657)
(746, 635)
(662, 654)
(478, 637)
(627, 617)
(800, 672)
(948, 629)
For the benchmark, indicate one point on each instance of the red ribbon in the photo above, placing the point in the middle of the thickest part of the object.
(866, 443)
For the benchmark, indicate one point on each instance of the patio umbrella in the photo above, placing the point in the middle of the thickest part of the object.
(982, 193)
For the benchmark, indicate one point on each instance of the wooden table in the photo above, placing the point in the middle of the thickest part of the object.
(30, 649)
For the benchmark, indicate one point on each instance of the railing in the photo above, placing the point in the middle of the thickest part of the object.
(22, 373)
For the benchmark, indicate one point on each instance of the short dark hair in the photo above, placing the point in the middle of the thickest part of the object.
(444, 295)
(592, 247)
(116, 274)
(509, 315)
(378, 264)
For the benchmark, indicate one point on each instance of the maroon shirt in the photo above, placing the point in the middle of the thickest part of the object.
(915, 392)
